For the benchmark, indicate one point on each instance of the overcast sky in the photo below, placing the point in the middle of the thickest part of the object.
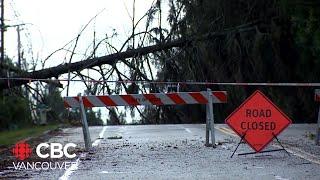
(51, 24)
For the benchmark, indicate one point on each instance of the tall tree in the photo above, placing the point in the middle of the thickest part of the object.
(268, 41)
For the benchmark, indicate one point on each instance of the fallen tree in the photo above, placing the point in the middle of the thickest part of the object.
(111, 59)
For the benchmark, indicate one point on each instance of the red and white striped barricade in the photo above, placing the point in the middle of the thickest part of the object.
(178, 98)
(158, 99)
(317, 99)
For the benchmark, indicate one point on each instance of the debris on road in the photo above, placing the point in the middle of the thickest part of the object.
(115, 137)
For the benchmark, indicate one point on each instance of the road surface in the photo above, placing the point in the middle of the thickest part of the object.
(178, 152)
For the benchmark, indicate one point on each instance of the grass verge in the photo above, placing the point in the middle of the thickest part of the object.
(8, 138)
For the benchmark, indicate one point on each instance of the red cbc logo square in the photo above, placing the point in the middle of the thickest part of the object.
(21, 150)
(258, 120)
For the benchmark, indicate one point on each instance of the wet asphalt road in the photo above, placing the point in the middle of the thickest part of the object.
(178, 152)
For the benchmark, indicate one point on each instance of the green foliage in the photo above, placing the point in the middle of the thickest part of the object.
(264, 41)
(14, 107)
(14, 112)
(115, 118)
(54, 102)
(8, 138)
(306, 30)
(94, 118)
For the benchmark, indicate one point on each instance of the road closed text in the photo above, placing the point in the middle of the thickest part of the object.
(258, 119)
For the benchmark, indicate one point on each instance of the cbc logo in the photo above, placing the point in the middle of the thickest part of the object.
(56, 150)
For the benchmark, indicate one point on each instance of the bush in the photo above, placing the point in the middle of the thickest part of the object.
(14, 112)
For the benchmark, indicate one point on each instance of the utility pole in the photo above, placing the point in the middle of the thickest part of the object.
(2, 31)
(19, 47)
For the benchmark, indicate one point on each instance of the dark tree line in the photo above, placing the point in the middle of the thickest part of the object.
(273, 41)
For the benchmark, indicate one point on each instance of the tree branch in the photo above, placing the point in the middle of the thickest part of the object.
(109, 59)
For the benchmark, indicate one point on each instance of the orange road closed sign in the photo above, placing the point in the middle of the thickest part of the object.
(258, 121)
